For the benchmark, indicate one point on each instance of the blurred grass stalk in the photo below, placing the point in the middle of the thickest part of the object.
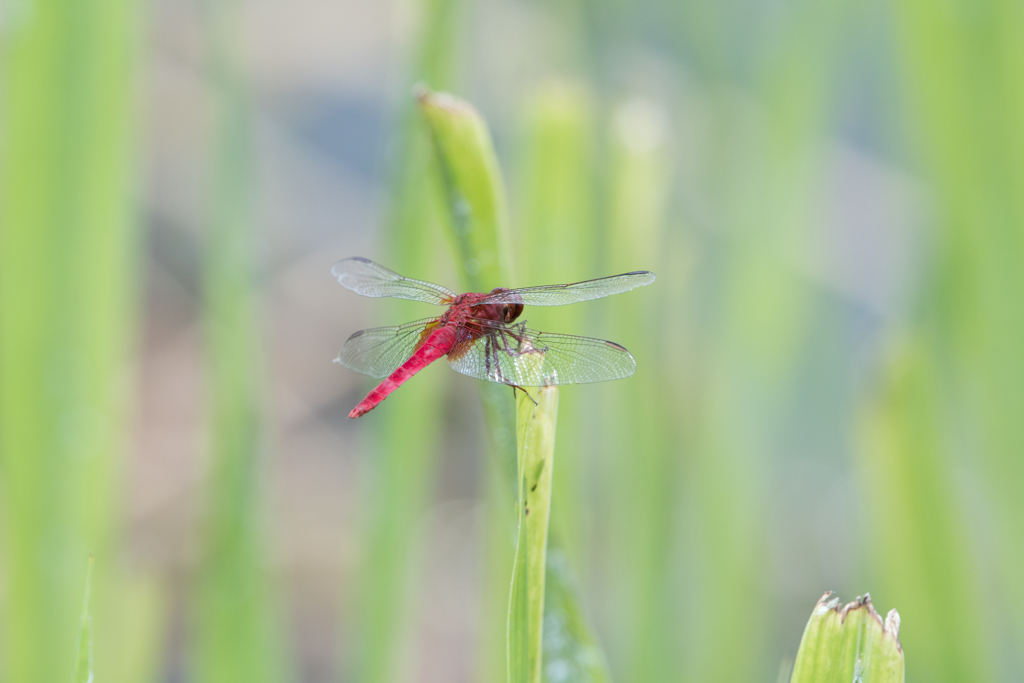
(408, 429)
(964, 71)
(68, 303)
(641, 461)
(915, 521)
(558, 241)
(764, 167)
(408, 435)
(234, 623)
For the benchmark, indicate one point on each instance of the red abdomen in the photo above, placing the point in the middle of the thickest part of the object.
(439, 343)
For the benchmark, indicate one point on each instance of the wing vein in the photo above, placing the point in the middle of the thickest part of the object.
(367, 278)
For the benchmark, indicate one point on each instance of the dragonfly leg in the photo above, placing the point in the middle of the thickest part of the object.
(492, 366)
(498, 374)
(516, 386)
(487, 356)
(522, 332)
(519, 337)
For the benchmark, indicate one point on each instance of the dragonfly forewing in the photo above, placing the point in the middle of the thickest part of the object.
(367, 278)
(561, 295)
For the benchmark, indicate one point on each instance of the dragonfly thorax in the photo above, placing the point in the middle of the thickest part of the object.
(467, 306)
(510, 310)
(502, 313)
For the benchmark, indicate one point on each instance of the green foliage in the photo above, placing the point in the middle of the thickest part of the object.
(472, 187)
(914, 520)
(849, 643)
(570, 650)
(640, 462)
(474, 202)
(752, 330)
(535, 432)
(68, 287)
(556, 181)
(407, 430)
(720, 159)
(474, 206)
(475, 216)
(555, 242)
(952, 398)
(234, 620)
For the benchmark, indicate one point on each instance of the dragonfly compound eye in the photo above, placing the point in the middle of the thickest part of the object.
(510, 312)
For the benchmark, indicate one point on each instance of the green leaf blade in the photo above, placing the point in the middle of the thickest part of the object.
(851, 642)
(535, 429)
(70, 252)
(473, 189)
(571, 653)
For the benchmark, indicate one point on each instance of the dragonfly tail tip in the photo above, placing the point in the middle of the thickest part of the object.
(360, 410)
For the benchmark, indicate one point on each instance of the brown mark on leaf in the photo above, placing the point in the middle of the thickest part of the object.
(891, 625)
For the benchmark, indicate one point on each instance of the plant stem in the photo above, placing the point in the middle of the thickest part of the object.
(535, 431)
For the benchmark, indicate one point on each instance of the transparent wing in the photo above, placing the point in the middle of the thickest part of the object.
(514, 354)
(560, 295)
(365, 277)
(377, 352)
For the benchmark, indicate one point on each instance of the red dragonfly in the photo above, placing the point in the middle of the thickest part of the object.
(479, 333)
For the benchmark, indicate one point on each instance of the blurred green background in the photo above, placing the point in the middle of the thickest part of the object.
(830, 377)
